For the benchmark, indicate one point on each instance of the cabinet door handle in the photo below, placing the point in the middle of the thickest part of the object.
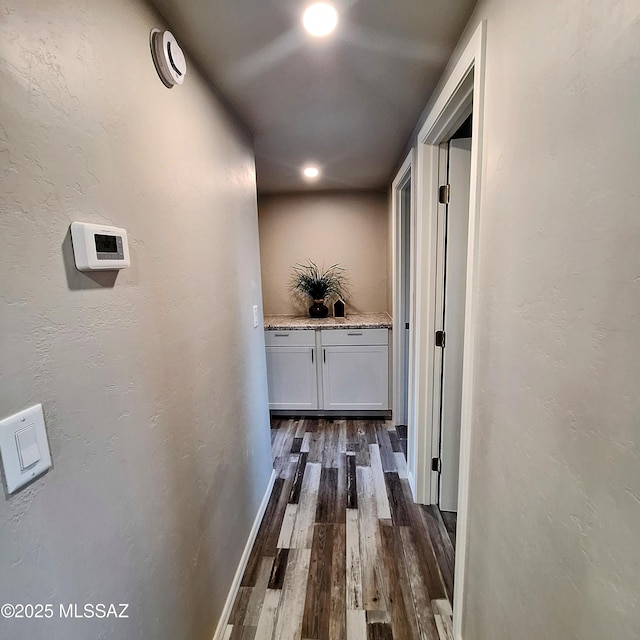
(312, 350)
(355, 333)
(281, 335)
(324, 356)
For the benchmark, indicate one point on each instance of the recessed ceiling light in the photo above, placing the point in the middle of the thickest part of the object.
(311, 172)
(320, 19)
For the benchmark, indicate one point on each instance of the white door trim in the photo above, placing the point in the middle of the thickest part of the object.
(463, 88)
(400, 377)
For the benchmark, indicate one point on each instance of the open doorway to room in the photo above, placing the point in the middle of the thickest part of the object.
(403, 212)
(446, 277)
(451, 274)
(405, 293)
(448, 289)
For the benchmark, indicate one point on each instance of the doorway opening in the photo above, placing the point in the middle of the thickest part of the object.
(450, 287)
(405, 301)
(451, 274)
(461, 95)
(403, 211)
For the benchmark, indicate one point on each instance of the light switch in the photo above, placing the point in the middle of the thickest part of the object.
(27, 447)
(256, 319)
(24, 447)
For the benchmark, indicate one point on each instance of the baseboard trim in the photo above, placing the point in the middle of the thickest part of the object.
(384, 414)
(235, 585)
(412, 484)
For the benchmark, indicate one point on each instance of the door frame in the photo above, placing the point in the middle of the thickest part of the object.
(461, 91)
(402, 378)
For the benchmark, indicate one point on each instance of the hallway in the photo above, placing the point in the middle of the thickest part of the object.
(343, 551)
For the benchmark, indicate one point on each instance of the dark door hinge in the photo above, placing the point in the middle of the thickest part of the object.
(406, 325)
(444, 193)
(435, 464)
(440, 338)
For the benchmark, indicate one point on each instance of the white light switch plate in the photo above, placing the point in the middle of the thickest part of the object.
(24, 447)
(256, 320)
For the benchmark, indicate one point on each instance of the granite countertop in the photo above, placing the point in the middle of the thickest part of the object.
(352, 321)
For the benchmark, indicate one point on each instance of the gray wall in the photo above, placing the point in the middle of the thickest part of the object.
(555, 479)
(328, 228)
(153, 384)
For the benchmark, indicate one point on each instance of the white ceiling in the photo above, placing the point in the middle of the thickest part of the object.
(347, 102)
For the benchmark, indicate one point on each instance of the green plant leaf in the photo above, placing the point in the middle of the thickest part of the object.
(319, 283)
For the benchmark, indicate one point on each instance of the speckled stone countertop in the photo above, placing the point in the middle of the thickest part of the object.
(352, 321)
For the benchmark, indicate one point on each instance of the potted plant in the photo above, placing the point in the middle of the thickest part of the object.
(319, 285)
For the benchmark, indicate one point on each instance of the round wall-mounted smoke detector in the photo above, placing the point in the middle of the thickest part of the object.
(168, 57)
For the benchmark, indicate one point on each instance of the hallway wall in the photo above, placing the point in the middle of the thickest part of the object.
(555, 478)
(326, 227)
(154, 383)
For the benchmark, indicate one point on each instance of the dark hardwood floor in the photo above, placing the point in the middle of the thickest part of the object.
(450, 521)
(343, 551)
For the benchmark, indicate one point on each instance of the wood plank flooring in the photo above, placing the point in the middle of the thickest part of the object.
(343, 552)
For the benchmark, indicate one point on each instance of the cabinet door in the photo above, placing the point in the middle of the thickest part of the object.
(355, 378)
(292, 379)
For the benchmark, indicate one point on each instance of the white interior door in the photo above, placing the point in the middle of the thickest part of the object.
(455, 273)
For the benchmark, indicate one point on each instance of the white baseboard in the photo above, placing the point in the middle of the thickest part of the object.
(235, 585)
(412, 484)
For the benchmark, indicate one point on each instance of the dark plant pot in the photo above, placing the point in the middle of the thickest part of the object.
(318, 309)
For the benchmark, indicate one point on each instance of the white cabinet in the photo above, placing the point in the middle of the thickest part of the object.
(355, 378)
(328, 369)
(291, 369)
(355, 369)
(354, 337)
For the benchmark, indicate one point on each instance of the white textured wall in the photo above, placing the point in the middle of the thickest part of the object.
(153, 386)
(555, 480)
(347, 228)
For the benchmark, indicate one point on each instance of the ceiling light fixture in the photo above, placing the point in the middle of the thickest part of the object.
(311, 172)
(320, 19)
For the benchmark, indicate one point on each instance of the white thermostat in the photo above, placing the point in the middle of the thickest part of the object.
(99, 248)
